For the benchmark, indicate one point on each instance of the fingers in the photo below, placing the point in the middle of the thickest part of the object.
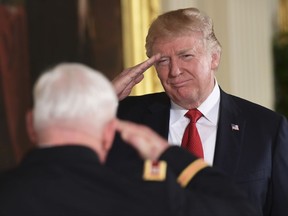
(128, 78)
(129, 131)
(147, 142)
(142, 67)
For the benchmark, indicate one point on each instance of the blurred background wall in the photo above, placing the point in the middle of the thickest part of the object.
(110, 36)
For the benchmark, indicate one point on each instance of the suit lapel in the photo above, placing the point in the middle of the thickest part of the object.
(231, 127)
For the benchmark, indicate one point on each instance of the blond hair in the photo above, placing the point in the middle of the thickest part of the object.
(182, 22)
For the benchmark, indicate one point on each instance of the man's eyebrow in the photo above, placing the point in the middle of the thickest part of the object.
(180, 52)
(163, 57)
(185, 51)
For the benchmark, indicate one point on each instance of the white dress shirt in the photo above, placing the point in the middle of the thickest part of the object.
(206, 125)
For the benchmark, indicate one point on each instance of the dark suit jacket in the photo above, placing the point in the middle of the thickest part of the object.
(70, 181)
(255, 156)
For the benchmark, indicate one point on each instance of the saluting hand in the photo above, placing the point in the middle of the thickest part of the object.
(127, 79)
(147, 143)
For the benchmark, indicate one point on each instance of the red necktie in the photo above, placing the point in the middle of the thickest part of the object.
(191, 139)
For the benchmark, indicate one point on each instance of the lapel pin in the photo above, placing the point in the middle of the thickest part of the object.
(235, 127)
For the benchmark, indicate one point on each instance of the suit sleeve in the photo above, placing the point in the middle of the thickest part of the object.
(209, 188)
(279, 184)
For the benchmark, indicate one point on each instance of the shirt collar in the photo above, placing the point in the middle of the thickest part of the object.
(210, 107)
(178, 112)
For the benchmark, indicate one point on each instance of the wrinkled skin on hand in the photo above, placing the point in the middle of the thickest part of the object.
(128, 78)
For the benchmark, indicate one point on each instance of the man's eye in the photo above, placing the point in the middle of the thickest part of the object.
(187, 56)
(163, 62)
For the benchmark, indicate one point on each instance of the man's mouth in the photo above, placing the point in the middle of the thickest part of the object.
(179, 84)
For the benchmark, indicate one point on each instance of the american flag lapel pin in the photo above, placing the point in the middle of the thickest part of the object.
(235, 127)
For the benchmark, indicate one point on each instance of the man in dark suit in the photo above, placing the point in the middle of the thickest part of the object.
(245, 140)
(73, 123)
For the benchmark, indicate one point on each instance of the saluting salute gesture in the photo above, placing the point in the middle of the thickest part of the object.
(129, 77)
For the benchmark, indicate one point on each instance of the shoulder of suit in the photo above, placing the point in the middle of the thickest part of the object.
(146, 98)
(248, 106)
(151, 95)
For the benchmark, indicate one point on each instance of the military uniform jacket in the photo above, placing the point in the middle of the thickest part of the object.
(70, 181)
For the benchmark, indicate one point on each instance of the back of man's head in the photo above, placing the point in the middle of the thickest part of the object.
(72, 95)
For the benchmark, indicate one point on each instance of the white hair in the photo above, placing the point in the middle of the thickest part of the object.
(73, 93)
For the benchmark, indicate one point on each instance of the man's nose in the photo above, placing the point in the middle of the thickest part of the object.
(174, 68)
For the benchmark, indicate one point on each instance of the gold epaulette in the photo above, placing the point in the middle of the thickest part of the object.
(154, 170)
(190, 171)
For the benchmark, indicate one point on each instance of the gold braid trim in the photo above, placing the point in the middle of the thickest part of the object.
(190, 171)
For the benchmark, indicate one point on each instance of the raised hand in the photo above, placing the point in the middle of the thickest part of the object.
(128, 78)
(147, 143)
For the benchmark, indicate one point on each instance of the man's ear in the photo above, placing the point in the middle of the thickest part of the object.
(30, 127)
(215, 60)
(109, 134)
